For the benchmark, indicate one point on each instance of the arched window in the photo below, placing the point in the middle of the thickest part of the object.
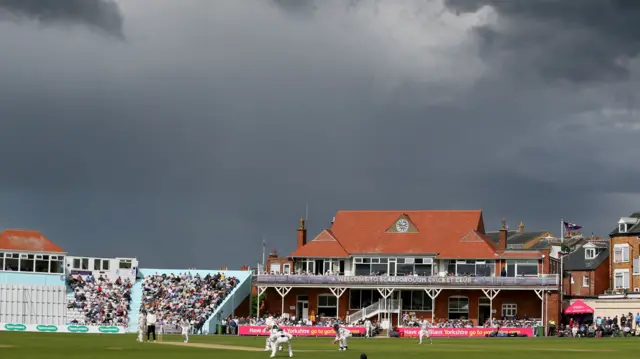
(458, 307)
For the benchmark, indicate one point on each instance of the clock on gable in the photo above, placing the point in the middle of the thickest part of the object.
(402, 225)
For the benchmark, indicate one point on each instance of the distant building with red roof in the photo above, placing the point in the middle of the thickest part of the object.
(438, 264)
(28, 251)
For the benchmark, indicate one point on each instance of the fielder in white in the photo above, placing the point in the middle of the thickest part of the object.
(184, 324)
(278, 340)
(142, 326)
(273, 331)
(367, 328)
(341, 337)
(424, 331)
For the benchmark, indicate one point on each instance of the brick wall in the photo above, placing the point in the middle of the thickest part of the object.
(634, 251)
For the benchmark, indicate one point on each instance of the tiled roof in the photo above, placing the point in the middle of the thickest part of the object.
(23, 240)
(447, 234)
(324, 245)
(517, 240)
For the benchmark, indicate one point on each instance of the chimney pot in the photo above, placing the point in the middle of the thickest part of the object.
(302, 234)
(502, 242)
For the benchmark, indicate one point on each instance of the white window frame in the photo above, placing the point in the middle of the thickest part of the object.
(286, 268)
(619, 276)
(274, 268)
(585, 281)
(509, 309)
(327, 306)
(622, 227)
(458, 312)
(589, 253)
(636, 266)
(621, 253)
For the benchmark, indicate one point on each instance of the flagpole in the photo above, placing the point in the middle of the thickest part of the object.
(562, 230)
(264, 246)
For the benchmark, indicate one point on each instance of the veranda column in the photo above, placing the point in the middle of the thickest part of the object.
(283, 291)
(385, 293)
(338, 292)
(433, 293)
(261, 291)
(540, 294)
(399, 306)
(491, 293)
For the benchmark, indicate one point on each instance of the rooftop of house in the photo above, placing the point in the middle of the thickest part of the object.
(632, 224)
(578, 260)
(521, 239)
(442, 234)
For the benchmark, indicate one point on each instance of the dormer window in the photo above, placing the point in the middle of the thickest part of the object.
(590, 253)
(626, 223)
(622, 228)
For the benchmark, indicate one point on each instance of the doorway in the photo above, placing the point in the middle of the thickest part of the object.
(484, 310)
(302, 307)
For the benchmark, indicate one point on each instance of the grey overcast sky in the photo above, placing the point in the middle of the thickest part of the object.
(183, 132)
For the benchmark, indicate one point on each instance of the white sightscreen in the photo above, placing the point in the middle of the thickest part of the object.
(33, 304)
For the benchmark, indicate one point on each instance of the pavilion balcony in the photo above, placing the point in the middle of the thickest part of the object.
(546, 280)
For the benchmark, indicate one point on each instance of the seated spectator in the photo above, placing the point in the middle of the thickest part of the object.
(101, 301)
(184, 296)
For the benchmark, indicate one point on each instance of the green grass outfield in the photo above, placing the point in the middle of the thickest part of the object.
(95, 346)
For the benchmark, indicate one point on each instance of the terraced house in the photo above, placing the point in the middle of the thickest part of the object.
(437, 264)
(624, 262)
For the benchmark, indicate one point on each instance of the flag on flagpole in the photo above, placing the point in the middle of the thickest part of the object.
(569, 227)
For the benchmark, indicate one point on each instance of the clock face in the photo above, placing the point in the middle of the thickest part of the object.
(402, 225)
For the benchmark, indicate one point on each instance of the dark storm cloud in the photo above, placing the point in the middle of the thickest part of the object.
(102, 15)
(575, 40)
(214, 125)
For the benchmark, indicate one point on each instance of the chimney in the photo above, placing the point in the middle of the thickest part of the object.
(521, 227)
(302, 234)
(502, 243)
(273, 254)
(333, 220)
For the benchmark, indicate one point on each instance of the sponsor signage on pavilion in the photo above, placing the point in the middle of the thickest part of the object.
(310, 331)
(464, 332)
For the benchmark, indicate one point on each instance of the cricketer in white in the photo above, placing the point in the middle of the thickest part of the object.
(341, 337)
(424, 331)
(184, 324)
(278, 340)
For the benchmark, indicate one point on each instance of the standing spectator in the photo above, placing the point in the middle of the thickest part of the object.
(234, 326)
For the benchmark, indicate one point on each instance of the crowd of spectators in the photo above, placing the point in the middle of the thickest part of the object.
(623, 326)
(290, 321)
(185, 296)
(100, 301)
(514, 322)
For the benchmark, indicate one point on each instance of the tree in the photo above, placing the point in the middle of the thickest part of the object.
(254, 304)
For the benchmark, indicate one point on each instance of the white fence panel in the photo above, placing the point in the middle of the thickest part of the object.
(33, 304)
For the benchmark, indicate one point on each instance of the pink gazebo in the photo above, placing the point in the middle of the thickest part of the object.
(578, 307)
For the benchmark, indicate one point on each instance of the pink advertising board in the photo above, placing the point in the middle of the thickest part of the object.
(297, 331)
(462, 332)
